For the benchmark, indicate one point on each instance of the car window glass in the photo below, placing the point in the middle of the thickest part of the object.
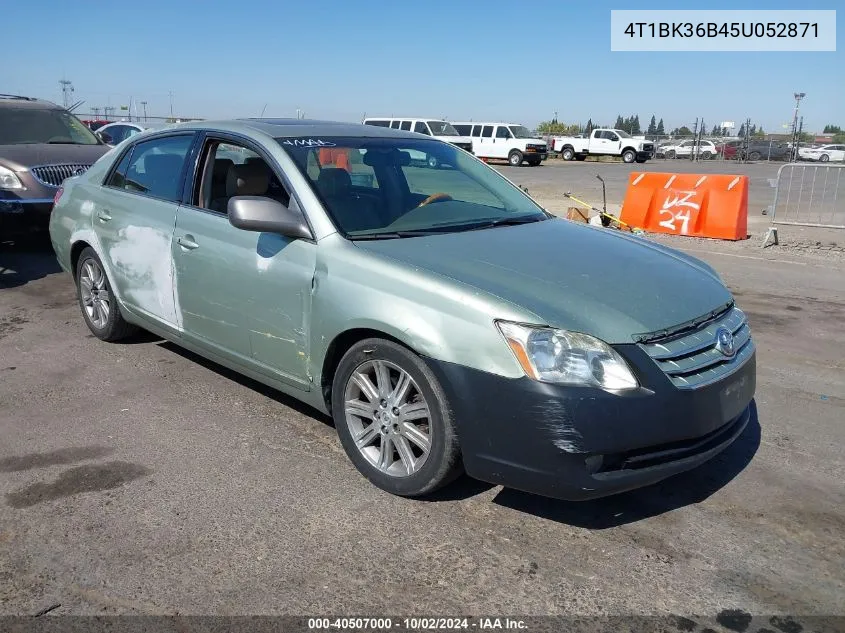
(421, 128)
(235, 170)
(612, 136)
(464, 130)
(118, 176)
(502, 132)
(379, 123)
(406, 125)
(487, 131)
(394, 125)
(476, 130)
(156, 165)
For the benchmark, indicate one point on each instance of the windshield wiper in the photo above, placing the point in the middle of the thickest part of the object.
(486, 224)
(391, 235)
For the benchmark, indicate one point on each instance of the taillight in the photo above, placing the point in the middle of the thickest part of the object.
(58, 195)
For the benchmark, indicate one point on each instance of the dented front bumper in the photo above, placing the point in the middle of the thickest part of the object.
(579, 443)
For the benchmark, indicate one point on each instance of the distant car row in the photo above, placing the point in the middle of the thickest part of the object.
(487, 140)
(751, 150)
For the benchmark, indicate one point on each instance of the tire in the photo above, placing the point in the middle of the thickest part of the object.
(433, 162)
(629, 156)
(568, 153)
(515, 158)
(404, 476)
(100, 309)
(754, 156)
(824, 158)
(706, 155)
(670, 154)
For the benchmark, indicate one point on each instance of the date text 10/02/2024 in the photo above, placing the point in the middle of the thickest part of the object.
(416, 624)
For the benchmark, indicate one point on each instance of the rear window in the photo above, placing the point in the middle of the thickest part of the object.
(464, 130)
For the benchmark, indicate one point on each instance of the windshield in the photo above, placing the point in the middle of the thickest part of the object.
(26, 126)
(442, 128)
(520, 131)
(385, 188)
(623, 133)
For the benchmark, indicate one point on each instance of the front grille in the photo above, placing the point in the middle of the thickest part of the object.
(692, 360)
(535, 146)
(54, 175)
(647, 147)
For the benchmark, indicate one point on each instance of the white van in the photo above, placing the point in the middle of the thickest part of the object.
(506, 141)
(442, 130)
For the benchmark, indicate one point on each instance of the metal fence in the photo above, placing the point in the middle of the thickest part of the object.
(809, 195)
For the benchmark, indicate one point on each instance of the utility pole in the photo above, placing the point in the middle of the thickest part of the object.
(170, 93)
(694, 152)
(795, 134)
(67, 91)
(144, 105)
(96, 111)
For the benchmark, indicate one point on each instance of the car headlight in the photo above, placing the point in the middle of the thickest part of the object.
(9, 180)
(567, 358)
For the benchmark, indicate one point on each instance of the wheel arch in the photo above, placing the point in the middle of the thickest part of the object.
(341, 344)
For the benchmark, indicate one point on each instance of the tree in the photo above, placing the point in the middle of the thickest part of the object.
(742, 130)
(635, 125)
(681, 131)
(753, 130)
(557, 128)
(652, 126)
(590, 126)
(702, 129)
(716, 131)
(660, 129)
(839, 138)
(759, 133)
(832, 129)
(620, 124)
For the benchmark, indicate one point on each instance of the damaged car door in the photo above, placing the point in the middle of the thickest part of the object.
(134, 220)
(243, 294)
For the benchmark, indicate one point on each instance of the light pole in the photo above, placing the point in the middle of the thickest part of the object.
(171, 103)
(795, 134)
(144, 104)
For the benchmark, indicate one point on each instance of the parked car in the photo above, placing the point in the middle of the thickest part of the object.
(439, 316)
(117, 132)
(41, 144)
(684, 149)
(823, 154)
(607, 142)
(439, 129)
(504, 141)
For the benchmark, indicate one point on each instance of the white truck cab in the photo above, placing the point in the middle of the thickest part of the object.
(604, 141)
(505, 141)
(439, 129)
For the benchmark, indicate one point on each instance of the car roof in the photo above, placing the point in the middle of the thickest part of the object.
(484, 123)
(18, 101)
(297, 128)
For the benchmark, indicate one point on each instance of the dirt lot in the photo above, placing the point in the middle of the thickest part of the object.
(137, 478)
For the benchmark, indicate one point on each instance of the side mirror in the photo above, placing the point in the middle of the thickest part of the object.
(265, 215)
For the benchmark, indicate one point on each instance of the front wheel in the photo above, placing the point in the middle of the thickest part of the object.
(754, 156)
(670, 154)
(515, 158)
(706, 155)
(96, 299)
(567, 154)
(824, 158)
(393, 420)
(629, 156)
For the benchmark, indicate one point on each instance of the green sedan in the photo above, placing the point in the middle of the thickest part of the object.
(444, 320)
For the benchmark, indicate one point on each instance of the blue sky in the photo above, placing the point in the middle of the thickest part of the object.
(460, 59)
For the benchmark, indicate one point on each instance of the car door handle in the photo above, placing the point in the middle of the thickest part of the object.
(103, 216)
(187, 242)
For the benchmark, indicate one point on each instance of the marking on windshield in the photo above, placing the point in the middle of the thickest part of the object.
(308, 142)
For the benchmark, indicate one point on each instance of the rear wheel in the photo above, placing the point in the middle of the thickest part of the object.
(754, 156)
(393, 420)
(568, 153)
(706, 155)
(515, 158)
(824, 158)
(99, 307)
(629, 156)
(670, 154)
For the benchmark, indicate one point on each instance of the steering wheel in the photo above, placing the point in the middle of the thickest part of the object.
(435, 197)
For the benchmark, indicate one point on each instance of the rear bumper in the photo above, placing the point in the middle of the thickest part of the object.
(579, 443)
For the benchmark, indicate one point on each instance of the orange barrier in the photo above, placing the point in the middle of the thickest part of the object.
(699, 205)
(337, 157)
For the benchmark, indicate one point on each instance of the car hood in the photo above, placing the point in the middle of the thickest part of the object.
(22, 157)
(587, 279)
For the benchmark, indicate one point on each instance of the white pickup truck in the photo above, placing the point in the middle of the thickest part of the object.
(603, 141)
